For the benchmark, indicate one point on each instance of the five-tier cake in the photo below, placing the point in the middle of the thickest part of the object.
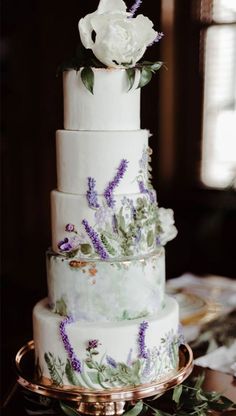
(106, 322)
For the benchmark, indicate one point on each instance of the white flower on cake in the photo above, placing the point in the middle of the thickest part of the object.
(166, 224)
(114, 35)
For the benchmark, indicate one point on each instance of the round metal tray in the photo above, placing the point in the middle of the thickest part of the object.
(99, 402)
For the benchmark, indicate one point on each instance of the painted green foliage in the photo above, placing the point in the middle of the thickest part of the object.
(104, 372)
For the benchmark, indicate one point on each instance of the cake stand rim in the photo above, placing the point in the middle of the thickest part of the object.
(104, 396)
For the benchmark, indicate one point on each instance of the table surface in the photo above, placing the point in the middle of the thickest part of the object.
(214, 381)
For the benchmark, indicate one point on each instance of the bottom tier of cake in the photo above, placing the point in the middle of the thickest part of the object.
(109, 355)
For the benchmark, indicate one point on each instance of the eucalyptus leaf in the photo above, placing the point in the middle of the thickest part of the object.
(145, 77)
(131, 76)
(69, 411)
(87, 76)
(135, 410)
(177, 393)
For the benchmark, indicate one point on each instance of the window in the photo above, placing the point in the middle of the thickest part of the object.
(218, 165)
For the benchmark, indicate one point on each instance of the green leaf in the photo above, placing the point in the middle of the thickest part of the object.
(69, 411)
(177, 393)
(131, 76)
(71, 376)
(93, 377)
(145, 77)
(61, 307)
(87, 77)
(150, 238)
(135, 410)
(85, 248)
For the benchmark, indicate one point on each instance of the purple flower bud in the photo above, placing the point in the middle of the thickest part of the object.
(92, 344)
(70, 228)
(65, 245)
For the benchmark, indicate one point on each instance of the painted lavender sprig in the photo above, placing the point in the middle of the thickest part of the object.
(141, 340)
(147, 191)
(158, 37)
(135, 7)
(92, 194)
(108, 193)
(111, 362)
(97, 244)
(75, 362)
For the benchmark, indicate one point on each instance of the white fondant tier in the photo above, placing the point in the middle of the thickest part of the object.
(104, 290)
(107, 355)
(127, 230)
(111, 106)
(83, 154)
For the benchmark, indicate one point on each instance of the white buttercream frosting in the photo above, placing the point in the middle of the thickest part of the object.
(111, 106)
(118, 342)
(97, 154)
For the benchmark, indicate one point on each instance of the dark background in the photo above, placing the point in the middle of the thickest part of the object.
(37, 35)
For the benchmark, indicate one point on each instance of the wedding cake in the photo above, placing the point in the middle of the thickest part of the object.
(106, 322)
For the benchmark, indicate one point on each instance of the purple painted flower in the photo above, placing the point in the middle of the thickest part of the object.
(108, 193)
(135, 7)
(141, 339)
(97, 244)
(158, 38)
(111, 362)
(92, 194)
(70, 228)
(74, 361)
(147, 191)
(92, 344)
(65, 245)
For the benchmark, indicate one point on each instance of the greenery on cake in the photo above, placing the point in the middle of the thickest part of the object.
(103, 371)
(138, 225)
(112, 37)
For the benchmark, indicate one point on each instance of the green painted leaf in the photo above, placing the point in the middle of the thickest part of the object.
(177, 393)
(135, 410)
(150, 238)
(51, 364)
(87, 77)
(69, 411)
(145, 77)
(71, 376)
(61, 307)
(86, 248)
(131, 76)
(93, 377)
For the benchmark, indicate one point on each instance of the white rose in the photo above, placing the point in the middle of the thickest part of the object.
(166, 223)
(114, 37)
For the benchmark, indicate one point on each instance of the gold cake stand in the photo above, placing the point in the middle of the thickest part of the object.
(99, 402)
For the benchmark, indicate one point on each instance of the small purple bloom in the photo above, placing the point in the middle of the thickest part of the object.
(92, 194)
(70, 228)
(135, 7)
(97, 244)
(147, 191)
(92, 344)
(108, 193)
(158, 38)
(141, 339)
(74, 361)
(65, 245)
(111, 361)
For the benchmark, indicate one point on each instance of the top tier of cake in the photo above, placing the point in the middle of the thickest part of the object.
(112, 106)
